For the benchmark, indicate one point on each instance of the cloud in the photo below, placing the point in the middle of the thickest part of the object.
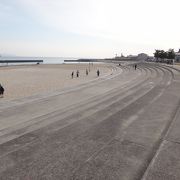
(113, 19)
(120, 23)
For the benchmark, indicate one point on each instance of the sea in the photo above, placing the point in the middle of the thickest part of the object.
(46, 60)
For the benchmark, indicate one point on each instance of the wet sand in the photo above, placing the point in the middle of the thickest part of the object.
(24, 81)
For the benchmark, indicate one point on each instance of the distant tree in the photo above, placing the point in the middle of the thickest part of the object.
(156, 54)
(165, 55)
(162, 55)
(170, 54)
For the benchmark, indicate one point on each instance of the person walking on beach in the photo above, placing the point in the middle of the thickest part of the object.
(72, 74)
(86, 72)
(98, 72)
(1, 90)
(77, 73)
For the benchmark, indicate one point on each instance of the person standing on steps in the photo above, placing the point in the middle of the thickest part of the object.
(135, 66)
(86, 72)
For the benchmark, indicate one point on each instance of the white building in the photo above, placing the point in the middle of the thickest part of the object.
(177, 56)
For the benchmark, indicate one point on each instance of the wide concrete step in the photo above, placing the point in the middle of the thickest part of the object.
(25, 112)
(165, 164)
(91, 106)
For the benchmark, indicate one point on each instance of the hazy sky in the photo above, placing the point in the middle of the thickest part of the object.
(88, 28)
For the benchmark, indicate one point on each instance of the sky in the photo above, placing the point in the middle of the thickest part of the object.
(88, 28)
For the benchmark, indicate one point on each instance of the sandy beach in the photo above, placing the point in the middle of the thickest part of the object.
(27, 80)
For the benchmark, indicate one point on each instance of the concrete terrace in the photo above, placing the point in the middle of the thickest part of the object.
(122, 126)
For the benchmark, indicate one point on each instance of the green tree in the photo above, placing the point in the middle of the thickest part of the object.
(156, 54)
(170, 54)
(162, 55)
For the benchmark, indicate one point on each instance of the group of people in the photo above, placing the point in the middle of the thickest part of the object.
(1, 90)
(87, 72)
(77, 74)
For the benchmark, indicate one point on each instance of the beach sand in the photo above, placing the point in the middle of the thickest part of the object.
(27, 80)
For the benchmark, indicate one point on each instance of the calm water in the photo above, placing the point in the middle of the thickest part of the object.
(47, 60)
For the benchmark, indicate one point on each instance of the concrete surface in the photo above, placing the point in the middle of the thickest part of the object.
(123, 126)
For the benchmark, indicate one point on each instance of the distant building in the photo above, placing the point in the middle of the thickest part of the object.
(139, 57)
(177, 56)
(128, 58)
(151, 58)
(142, 57)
